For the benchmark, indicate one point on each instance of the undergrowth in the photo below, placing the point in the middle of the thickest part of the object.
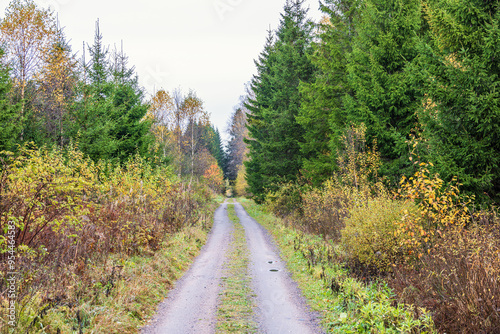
(89, 240)
(348, 305)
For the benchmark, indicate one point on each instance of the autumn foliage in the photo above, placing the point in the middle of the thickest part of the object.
(214, 177)
(71, 214)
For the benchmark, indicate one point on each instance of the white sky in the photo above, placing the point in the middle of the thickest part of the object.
(205, 45)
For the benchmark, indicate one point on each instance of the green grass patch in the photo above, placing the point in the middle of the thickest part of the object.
(346, 304)
(236, 301)
(220, 198)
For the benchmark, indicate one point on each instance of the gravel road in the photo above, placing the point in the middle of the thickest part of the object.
(191, 307)
(281, 308)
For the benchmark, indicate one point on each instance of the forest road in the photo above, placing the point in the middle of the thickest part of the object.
(191, 307)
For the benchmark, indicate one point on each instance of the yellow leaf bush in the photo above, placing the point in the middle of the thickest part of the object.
(369, 234)
(71, 214)
(440, 207)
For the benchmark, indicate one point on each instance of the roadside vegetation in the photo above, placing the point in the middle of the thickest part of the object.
(96, 250)
(105, 196)
(347, 304)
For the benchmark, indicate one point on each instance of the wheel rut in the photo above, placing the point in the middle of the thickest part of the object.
(191, 307)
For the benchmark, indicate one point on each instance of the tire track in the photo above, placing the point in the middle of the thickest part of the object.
(281, 308)
(191, 307)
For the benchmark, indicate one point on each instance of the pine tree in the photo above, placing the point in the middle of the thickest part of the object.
(275, 134)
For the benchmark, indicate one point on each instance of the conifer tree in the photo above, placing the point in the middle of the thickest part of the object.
(131, 129)
(273, 129)
(10, 115)
(322, 113)
(258, 126)
(93, 115)
(109, 117)
(459, 71)
(385, 98)
(215, 146)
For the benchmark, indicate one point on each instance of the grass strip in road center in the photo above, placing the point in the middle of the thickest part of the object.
(236, 301)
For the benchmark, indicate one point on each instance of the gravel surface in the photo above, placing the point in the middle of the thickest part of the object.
(281, 308)
(191, 307)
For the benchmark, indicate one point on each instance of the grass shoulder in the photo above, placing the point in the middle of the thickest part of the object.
(347, 305)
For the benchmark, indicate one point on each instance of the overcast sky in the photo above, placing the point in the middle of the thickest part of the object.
(205, 45)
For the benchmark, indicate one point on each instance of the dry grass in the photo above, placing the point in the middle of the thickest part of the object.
(459, 281)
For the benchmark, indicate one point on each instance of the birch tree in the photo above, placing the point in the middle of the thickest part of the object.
(27, 33)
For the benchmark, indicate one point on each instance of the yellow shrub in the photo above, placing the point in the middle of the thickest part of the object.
(440, 207)
(369, 234)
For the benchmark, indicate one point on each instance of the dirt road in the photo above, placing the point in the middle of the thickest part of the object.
(192, 306)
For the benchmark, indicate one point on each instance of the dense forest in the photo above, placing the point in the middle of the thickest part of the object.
(413, 72)
(378, 129)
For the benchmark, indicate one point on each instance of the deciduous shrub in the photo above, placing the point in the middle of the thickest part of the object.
(326, 209)
(459, 280)
(71, 214)
(370, 234)
(440, 207)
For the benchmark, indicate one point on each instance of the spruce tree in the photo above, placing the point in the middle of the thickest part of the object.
(109, 117)
(275, 134)
(10, 115)
(258, 125)
(131, 130)
(93, 115)
(459, 71)
(322, 113)
(216, 148)
(385, 98)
